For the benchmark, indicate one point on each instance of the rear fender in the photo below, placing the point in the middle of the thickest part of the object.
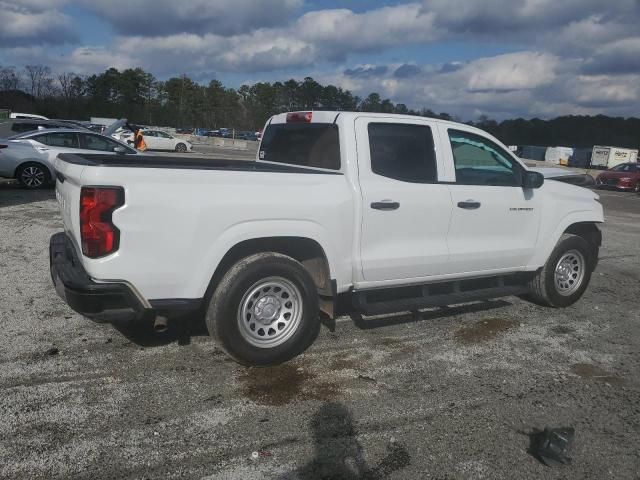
(264, 229)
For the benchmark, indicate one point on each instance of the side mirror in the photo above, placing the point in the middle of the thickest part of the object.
(120, 150)
(532, 180)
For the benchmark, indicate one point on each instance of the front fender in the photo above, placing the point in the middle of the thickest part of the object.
(548, 243)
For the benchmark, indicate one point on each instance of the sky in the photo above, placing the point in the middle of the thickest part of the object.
(499, 58)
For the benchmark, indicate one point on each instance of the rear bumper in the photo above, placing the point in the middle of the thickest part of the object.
(105, 302)
(100, 301)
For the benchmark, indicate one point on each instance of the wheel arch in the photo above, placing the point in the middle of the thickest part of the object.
(580, 223)
(305, 250)
(49, 168)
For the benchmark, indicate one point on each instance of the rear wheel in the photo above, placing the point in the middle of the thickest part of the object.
(181, 147)
(33, 175)
(566, 275)
(264, 310)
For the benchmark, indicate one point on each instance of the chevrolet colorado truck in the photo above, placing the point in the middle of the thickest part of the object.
(391, 213)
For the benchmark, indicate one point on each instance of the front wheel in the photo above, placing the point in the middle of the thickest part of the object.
(181, 147)
(637, 188)
(33, 176)
(264, 311)
(565, 276)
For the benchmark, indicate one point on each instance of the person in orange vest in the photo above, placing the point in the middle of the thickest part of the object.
(138, 138)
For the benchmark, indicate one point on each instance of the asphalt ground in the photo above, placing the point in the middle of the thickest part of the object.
(450, 393)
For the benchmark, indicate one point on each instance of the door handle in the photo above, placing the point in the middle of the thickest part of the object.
(469, 205)
(385, 205)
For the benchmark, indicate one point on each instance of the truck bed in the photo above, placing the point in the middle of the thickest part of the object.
(183, 163)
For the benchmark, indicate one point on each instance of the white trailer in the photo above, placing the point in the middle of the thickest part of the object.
(609, 157)
(558, 155)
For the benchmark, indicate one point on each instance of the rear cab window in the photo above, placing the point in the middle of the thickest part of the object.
(314, 145)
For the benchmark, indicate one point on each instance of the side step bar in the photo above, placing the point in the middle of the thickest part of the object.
(367, 306)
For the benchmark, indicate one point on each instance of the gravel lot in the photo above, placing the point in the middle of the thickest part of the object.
(452, 394)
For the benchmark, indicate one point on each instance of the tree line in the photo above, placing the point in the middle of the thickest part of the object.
(182, 102)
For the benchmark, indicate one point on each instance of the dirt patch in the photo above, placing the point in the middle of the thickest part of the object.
(595, 373)
(346, 364)
(283, 384)
(483, 330)
(390, 341)
(562, 330)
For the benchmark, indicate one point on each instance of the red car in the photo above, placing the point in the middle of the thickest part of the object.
(625, 176)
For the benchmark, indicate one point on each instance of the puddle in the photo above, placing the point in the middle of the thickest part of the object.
(593, 372)
(483, 330)
(562, 330)
(275, 386)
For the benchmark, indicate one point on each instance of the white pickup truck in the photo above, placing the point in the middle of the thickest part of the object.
(389, 212)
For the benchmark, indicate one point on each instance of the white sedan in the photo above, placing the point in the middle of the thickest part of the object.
(159, 140)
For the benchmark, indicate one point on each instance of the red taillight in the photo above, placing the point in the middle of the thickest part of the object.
(99, 235)
(299, 117)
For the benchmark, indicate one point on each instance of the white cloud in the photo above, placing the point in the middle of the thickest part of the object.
(34, 22)
(167, 17)
(518, 84)
(516, 71)
(576, 56)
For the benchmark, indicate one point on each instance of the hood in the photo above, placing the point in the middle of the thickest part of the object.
(114, 126)
(619, 174)
(552, 172)
(566, 176)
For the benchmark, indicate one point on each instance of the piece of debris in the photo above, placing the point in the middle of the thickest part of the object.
(108, 340)
(552, 445)
(52, 351)
(367, 379)
(254, 455)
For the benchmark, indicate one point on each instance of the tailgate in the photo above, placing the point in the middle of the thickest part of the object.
(68, 176)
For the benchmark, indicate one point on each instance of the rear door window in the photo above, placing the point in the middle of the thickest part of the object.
(99, 143)
(403, 152)
(307, 145)
(64, 140)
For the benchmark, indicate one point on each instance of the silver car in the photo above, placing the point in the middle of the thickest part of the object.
(29, 157)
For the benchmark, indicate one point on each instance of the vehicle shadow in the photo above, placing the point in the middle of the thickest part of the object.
(180, 330)
(11, 194)
(442, 312)
(339, 455)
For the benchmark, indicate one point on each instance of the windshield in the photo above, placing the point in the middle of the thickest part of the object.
(625, 167)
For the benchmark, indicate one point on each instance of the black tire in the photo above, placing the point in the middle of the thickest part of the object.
(637, 188)
(543, 287)
(33, 176)
(224, 308)
(181, 147)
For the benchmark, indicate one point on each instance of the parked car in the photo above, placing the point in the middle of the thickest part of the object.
(9, 128)
(27, 116)
(625, 176)
(390, 212)
(29, 157)
(159, 140)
